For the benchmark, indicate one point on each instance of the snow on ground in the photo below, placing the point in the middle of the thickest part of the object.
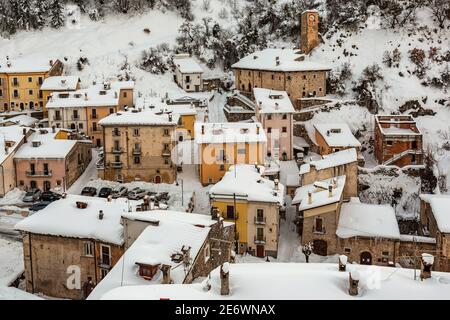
(89, 174)
(11, 262)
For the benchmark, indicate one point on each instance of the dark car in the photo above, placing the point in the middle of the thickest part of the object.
(49, 196)
(32, 195)
(39, 205)
(104, 192)
(89, 191)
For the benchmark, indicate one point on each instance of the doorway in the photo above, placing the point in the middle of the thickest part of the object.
(366, 258)
(320, 247)
(157, 179)
(260, 251)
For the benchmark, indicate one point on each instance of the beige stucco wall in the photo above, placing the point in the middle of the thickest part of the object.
(271, 227)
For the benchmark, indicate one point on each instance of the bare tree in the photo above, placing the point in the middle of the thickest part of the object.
(441, 10)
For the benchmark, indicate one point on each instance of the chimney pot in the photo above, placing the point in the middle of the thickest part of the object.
(426, 265)
(166, 274)
(310, 197)
(353, 279)
(330, 191)
(257, 129)
(277, 183)
(203, 129)
(342, 262)
(100, 215)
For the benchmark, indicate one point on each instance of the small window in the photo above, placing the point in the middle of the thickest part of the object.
(111, 110)
(222, 167)
(284, 116)
(137, 160)
(241, 151)
(125, 94)
(166, 132)
(284, 129)
(30, 79)
(269, 130)
(269, 117)
(80, 126)
(105, 257)
(104, 272)
(385, 253)
(347, 250)
(389, 143)
(166, 160)
(136, 132)
(88, 249)
(230, 212)
(273, 77)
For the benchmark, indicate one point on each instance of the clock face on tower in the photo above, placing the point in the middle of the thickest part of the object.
(312, 19)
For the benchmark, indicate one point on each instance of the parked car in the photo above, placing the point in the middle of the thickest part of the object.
(49, 196)
(89, 191)
(32, 195)
(39, 205)
(119, 191)
(104, 192)
(136, 194)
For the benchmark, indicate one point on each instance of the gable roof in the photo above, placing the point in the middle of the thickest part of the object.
(440, 205)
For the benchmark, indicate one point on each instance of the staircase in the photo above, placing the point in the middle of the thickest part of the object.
(398, 156)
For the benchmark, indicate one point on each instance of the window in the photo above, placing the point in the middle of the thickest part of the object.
(125, 94)
(347, 250)
(385, 253)
(30, 79)
(104, 272)
(46, 171)
(222, 167)
(111, 110)
(80, 126)
(88, 249)
(289, 77)
(137, 160)
(318, 225)
(1, 92)
(136, 132)
(273, 77)
(15, 81)
(116, 145)
(269, 130)
(230, 212)
(284, 129)
(284, 116)
(166, 160)
(58, 182)
(389, 143)
(105, 255)
(40, 95)
(166, 132)
(413, 145)
(94, 126)
(21, 182)
(260, 215)
(269, 117)
(304, 77)
(241, 151)
(16, 93)
(94, 113)
(207, 252)
(320, 89)
(40, 80)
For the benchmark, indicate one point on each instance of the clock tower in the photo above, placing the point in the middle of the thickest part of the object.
(309, 31)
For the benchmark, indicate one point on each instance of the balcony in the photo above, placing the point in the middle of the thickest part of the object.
(166, 153)
(75, 117)
(93, 116)
(116, 133)
(57, 118)
(47, 173)
(137, 152)
(96, 129)
(260, 220)
(318, 230)
(116, 150)
(116, 164)
(260, 240)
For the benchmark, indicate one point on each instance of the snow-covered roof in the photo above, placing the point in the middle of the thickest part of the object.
(187, 65)
(63, 218)
(155, 245)
(320, 194)
(337, 135)
(394, 125)
(335, 159)
(11, 135)
(272, 101)
(44, 144)
(288, 60)
(60, 83)
(297, 281)
(367, 220)
(25, 65)
(98, 95)
(158, 105)
(244, 181)
(440, 205)
(12, 293)
(229, 132)
(21, 120)
(135, 117)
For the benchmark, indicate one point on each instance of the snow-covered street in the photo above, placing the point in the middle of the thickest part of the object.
(89, 174)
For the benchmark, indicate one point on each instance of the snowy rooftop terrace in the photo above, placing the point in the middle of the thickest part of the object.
(97, 95)
(337, 135)
(319, 193)
(331, 160)
(247, 183)
(272, 101)
(10, 135)
(440, 205)
(64, 218)
(155, 245)
(285, 60)
(395, 125)
(367, 220)
(23, 65)
(229, 132)
(21, 120)
(157, 105)
(298, 281)
(60, 83)
(138, 117)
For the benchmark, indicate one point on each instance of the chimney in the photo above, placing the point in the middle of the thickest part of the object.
(225, 279)
(330, 191)
(100, 215)
(109, 199)
(166, 274)
(426, 265)
(342, 262)
(170, 117)
(353, 281)
(51, 63)
(203, 129)
(85, 96)
(24, 132)
(277, 182)
(215, 214)
(257, 130)
(276, 105)
(310, 197)
(328, 133)
(53, 129)
(116, 95)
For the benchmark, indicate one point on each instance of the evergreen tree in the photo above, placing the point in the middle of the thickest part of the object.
(57, 18)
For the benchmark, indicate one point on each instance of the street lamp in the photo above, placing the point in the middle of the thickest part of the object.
(182, 190)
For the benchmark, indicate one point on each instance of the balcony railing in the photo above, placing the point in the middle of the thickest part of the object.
(57, 118)
(116, 149)
(260, 220)
(75, 117)
(116, 164)
(116, 133)
(318, 231)
(96, 129)
(47, 173)
(260, 239)
(166, 153)
(137, 151)
(94, 116)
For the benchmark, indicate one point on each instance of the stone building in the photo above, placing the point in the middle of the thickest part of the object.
(221, 145)
(72, 244)
(398, 141)
(82, 110)
(138, 145)
(275, 112)
(188, 73)
(309, 31)
(335, 164)
(253, 203)
(21, 80)
(50, 159)
(168, 247)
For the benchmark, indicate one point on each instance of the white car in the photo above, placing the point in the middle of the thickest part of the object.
(119, 191)
(136, 194)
